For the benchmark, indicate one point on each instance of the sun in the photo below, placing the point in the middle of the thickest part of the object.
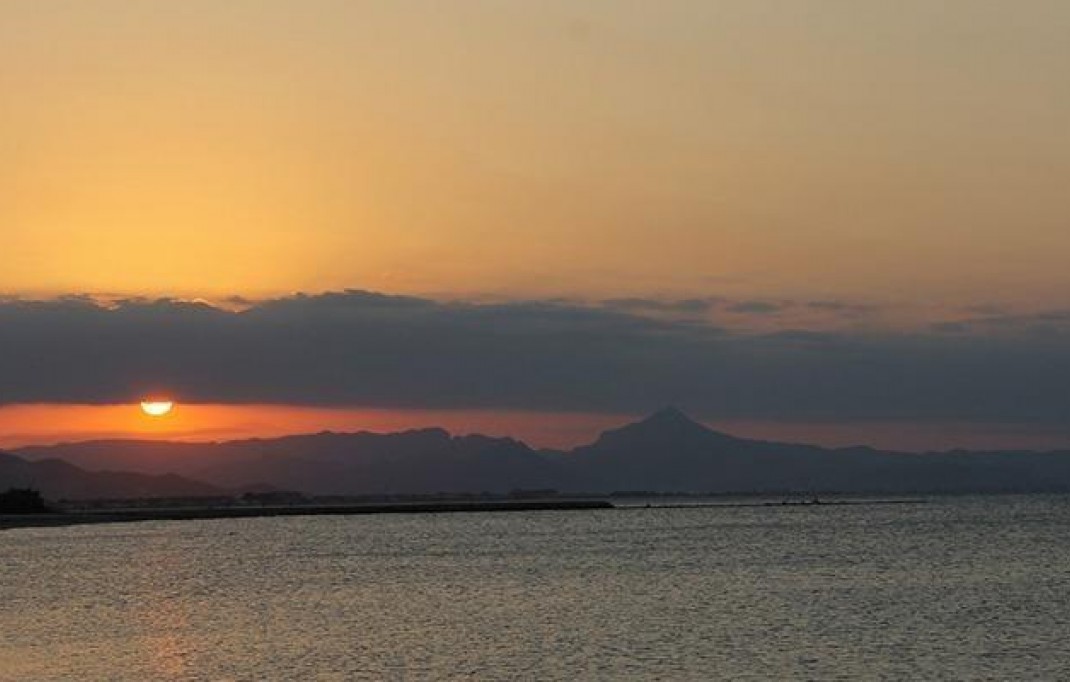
(157, 408)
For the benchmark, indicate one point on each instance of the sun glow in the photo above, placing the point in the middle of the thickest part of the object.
(157, 408)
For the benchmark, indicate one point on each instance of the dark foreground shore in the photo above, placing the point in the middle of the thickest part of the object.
(70, 518)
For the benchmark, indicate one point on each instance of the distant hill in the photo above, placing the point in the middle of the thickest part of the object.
(670, 452)
(425, 460)
(56, 479)
(666, 452)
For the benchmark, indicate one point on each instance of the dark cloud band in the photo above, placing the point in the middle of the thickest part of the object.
(360, 348)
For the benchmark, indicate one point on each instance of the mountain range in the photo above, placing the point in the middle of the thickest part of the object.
(58, 479)
(666, 452)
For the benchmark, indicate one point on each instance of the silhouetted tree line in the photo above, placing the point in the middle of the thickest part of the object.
(22, 501)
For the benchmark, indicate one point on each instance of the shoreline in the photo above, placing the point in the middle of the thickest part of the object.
(770, 504)
(74, 518)
(131, 515)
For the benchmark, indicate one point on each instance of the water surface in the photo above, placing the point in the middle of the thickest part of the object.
(957, 588)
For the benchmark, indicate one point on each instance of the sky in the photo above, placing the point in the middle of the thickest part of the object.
(843, 221)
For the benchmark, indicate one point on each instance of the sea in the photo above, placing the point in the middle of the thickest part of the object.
(942, 588)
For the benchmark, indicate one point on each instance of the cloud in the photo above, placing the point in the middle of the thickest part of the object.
(844, 308)
(737, 311)
(367, 349)
(1050, 323)
(950, 327)
(756, 307)
(686, 306)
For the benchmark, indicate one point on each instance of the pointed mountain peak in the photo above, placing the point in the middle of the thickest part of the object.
(670, 415)
(669, 421)
(664, 426)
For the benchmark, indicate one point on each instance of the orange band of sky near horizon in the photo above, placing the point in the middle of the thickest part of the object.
(50, 423)
(43, 424)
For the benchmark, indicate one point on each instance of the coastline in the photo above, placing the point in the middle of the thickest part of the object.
(72, 518)
(134, 514)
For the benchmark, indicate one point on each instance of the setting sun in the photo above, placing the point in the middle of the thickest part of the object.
(157, 408)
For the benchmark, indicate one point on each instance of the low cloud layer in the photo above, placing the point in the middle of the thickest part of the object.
(365, 349)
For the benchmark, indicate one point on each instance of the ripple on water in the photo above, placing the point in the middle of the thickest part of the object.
(971, 588)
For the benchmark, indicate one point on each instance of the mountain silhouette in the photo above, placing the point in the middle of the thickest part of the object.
(664, 427)
(57, 479)
(417, 461)
(662, 452)
(665, 452)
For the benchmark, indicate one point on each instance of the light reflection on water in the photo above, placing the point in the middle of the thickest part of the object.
(963, 588)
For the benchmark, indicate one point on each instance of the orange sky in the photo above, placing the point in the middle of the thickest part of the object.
(43, 424)
(549, 148)
(913, 155)
(46, 424)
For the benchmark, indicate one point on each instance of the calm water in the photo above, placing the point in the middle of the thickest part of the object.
(968, 588)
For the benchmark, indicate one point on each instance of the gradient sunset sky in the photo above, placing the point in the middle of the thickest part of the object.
(838, 221)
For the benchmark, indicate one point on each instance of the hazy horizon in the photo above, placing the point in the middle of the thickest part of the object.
(46, 425)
